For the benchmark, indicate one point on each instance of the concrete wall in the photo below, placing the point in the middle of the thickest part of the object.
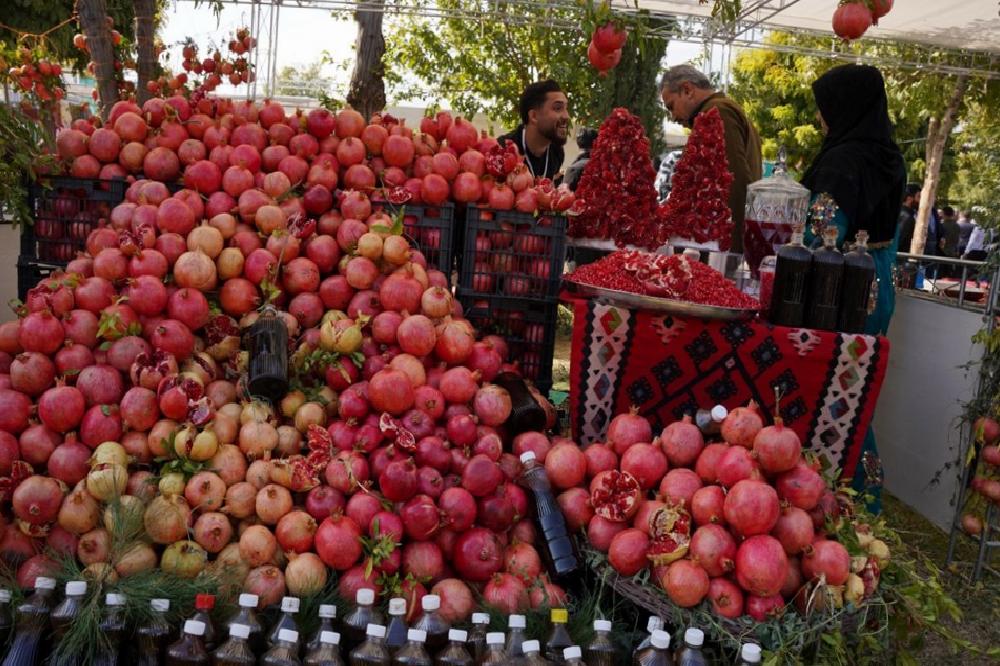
(915, 423)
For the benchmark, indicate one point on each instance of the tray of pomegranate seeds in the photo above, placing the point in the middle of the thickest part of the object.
(674, 284)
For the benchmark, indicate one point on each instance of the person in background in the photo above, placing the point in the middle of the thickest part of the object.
(908, 216)
(665, 174)
(965, 226)
(686, 92)
(544, 128)
(585, 137)
(976, 250)
(948, 241)
(857, 182)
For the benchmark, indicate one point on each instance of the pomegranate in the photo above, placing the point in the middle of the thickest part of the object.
(481, 476)
(457, 602)
(734, 465)
(850, 20)
(707, 505)
(477, 554)
(682, 442)
(794, 530)
(506, 593)
(166, 519)
(627, 551)
(566, 466)
(686, 583)
(268, 583)
(645, 462)
(615, 495)
(458, 508)
(212, 531)
(777, 448)
(576, 507)
(257, 545)
(826, 560)
(761, 565)
(679, 486)
(802, 486)
(37, 500)
(628, 429)
(600, 458)
(763, 608)
(751, 507)
(726, 598)
(742, 424)
(713, 548)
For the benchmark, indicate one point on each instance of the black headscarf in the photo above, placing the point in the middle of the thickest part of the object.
(859, 164)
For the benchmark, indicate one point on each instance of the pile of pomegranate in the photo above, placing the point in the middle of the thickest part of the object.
(745, 525)
(119, 384)
(985, 483)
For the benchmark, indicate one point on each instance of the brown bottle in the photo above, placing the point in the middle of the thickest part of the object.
(289, 608)
(559, 639)
(533, 654)
(63, 616)
(285, 651)
(153, 637)
(573, 656)
(455, 654)
(327, 614)
(113, 628)
(657, 653)
(189, 649)
(236, 651)
(495, 652)
(477, 637)
(601, 651)
(32, 625)
(372, 652)
(355, 625)
(691, 654)
(431, 622)
(327, 653)
(247, 615)
(203, 605)
(6, 620)
(413, 653)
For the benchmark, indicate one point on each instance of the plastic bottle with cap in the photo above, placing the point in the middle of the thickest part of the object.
(356, 622)
(289, 609)
(573, 656)
(533, 654)
(477, 637)
(559, 551)
(203, 606)
(601, 650)
(559, 638)
(153, 637)
(6, 617)
(190, 647)
(246, 615)
(749, 654)
(285, 651)
(431, 622)
(113, 627)
(327, 616)
(372, 652)
(31, 626)
(456, 653)
(63, 616)
(658, 651)
(654, 623)
(691, 653)
(495, 651)
(414, 653)
(395, 630)
(709, 421)
(236, 651)
(327, 652)
(516, 635)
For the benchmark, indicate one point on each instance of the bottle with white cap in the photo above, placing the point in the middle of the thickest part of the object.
(477, 637)
(372, 652)
(749, 654)
(431, 622)
(66, 612)
(414, 653)
(658, 652)
(691, 654)
(573, 656)
(559, 551)
(327, 616)
(236, 651)
(189, 650)
(654, 623)
(327, 653)
(456, 653)
(495, 651)
(112, 626)
(709, 421)
(516, 635)
(601, 650)
(355, 625)
(285, 651)
(559, 638)
(289, 608)
(247, 616)
(533, 654)
(395, 631)
(32, 624)
(153, 637)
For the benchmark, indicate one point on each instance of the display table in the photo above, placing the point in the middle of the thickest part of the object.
(668, 366)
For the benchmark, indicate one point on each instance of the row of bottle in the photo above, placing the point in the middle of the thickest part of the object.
(822, 289)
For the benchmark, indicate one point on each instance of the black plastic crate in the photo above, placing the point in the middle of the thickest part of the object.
(528, 326)
(65, 211)
(30, 273)
(513, 254)
(432, 229)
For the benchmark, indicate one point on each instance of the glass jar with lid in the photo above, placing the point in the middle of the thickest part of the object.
(774, 206)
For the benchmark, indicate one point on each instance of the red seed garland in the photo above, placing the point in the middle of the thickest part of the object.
(698, 207)
(674, 277)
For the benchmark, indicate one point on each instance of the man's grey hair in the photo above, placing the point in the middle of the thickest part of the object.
(678, 74)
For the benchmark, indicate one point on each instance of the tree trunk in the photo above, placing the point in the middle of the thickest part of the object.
(367, 92)
(938, 132)
(93, 20)
(145, 33)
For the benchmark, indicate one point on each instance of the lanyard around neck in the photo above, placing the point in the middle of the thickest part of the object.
(524, 142)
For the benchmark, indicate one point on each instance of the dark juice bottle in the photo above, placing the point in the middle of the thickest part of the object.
(372, 652)
(327, 653)
(63, 616)
(395, 631)
(690, 654)
(431, 622)
(355, 625)
(456, 653)
(791, 282)
(327, 615)
(285, 651)
(247, 615)
(113, 629)
(600, 651)
(236, 651)
(533, 654)
(516, 636)
(189, 650)
(289, 608)
(495, 652)
(749, 654)
(825, 283)
(477, 637)
(414, 653)
(573, 656)
(653, 624)
(203, 605)
(657, 653)
(6, 617)
(153, 637)
(856, 294)
(559, 638)
(559, 550)
(31, 627)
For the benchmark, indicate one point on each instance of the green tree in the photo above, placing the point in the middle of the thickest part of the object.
(484, 65)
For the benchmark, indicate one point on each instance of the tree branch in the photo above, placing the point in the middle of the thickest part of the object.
(93, 20)
(145, 33)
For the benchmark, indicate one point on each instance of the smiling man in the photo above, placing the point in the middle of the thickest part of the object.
(544, 128)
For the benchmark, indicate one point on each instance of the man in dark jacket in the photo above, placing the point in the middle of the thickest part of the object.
(544, 128)
(686, 92)
(908, 216)
(585, 137)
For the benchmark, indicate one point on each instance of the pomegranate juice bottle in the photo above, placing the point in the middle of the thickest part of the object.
(190, 649)
(791, 280)
(153, 637)
(653, 624)
(413, 653)
(477, 637)
(395, 632)
(691, 654)
(113, 628)
(601, 651)
(533, 654)
(573, 656)
(516, 636)
(559, 639)
(456, 653)
(825, 283)
(327, 614)
(372, 652)
(247, 615)
(495, 652)
(203, 605)
(431, 622)
(63, 616)
(356, 622)
(32, 625)
(236, 651)
(559, 550)
(327, 653)
(6, 620)
(289, 608)
(658, 651)
(749, 654)
(285, 651)
(856, 294)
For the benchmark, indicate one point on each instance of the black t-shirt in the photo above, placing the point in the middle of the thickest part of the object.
(537, 163)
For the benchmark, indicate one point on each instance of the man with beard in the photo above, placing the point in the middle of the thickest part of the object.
(544, 128)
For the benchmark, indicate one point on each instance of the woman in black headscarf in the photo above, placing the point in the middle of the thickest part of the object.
(857, 182)
(858, 178)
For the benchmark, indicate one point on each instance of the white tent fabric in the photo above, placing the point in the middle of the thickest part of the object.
(952, 24)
